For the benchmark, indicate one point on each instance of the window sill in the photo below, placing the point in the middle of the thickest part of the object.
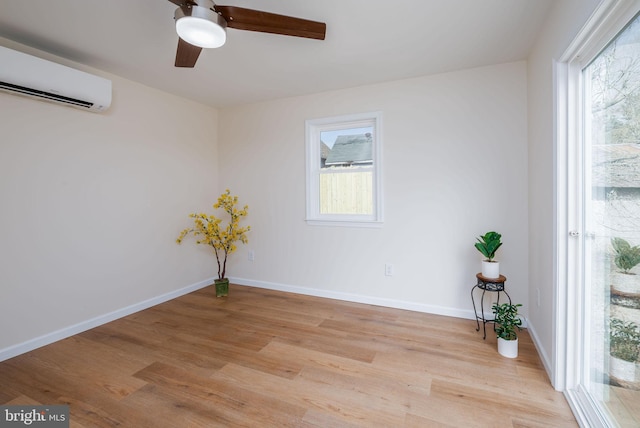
(345, 223)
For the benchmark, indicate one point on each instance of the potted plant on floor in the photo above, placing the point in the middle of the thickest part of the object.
(488, 244)
(624, 348)
(209, 230)
(507, 322)
(625, 285)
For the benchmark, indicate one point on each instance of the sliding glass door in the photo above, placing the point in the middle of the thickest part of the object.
(609, 207)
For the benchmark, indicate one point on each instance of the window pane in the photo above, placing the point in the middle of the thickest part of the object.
(346, 178)
(612, 219)
(346, 148)
(346, 193)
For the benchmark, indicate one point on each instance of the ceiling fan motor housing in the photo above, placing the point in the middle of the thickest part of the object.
(200, 25)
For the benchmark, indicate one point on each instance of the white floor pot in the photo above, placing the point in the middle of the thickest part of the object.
(508, 348)
(490, 270)
(626, 283)
(622, 370)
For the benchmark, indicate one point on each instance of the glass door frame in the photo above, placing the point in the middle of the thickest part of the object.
(571, 338)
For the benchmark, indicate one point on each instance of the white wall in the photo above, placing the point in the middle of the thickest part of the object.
(563, 23)
(92, 204)
(455, 166)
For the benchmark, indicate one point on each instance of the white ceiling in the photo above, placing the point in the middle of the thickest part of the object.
(367, 41)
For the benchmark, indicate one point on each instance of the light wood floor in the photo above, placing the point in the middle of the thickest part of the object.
(262, 358)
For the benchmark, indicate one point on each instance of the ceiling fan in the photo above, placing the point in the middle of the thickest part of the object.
(202, 24)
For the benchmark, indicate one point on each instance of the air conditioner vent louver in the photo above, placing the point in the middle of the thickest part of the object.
(23, 74)
(43, 94)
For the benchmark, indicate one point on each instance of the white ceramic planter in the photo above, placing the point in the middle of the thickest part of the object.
(491, 270)
(622, 370)
(508, 348)
(627, 283)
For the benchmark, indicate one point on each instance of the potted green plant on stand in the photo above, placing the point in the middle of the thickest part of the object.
(209, 230)
(488, 244)
(507, 322)
(624, 348)
(625, 285)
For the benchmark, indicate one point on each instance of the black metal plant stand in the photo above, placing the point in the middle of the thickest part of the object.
(494, 285)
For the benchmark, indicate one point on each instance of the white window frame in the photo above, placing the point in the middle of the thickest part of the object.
(313, 128)
(571, 340)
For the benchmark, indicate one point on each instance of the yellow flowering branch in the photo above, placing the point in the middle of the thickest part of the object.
(208, 229)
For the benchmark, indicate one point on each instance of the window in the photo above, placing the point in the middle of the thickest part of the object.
(343, 170)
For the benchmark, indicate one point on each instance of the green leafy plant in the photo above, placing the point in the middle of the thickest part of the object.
(507, 320)
(626, 256)
(209, 230)
(488, 244)
(624, 340)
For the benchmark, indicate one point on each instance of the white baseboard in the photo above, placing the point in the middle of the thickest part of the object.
(63, 333)
(357, 298)
(46, 339)
(543, 355)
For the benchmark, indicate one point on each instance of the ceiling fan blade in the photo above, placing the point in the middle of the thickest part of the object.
(183, 2)
(265, 22)
(187, 54)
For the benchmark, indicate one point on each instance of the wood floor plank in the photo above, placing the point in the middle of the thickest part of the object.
(87, 415)
(226, 353)
(285, 315)
(21, 400)
(44, 376)
(272, 359)
(319, 419)
(415, 379)
(180, 410)
(330, 341)
(233, 399)
(166, 351)
(322, 397)
(8, 394)
(521, 404)
(386, 399)
(625, 405)
(415, 421)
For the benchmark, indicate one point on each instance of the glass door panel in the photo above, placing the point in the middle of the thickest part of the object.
(611, 239)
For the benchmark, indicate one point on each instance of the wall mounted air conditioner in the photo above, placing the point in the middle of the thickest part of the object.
(23, 74)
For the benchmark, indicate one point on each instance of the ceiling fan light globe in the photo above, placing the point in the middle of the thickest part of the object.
(201, 27)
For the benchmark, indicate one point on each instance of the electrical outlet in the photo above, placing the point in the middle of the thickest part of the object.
(388, 269)
(252, 255)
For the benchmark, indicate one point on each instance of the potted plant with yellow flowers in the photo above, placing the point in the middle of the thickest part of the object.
(209, 230)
